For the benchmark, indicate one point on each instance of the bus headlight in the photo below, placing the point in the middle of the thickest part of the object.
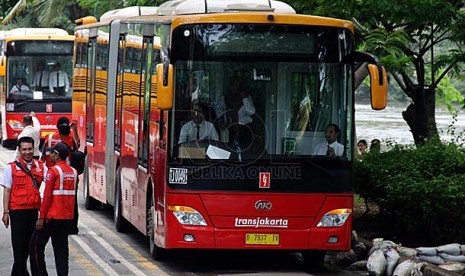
(334, 218)
(187, 215)
(15, 124)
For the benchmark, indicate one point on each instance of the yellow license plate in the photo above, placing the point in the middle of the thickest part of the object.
(261, 239)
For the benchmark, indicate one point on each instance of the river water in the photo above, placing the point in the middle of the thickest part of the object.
(388, 124)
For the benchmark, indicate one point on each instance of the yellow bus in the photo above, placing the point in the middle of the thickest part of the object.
(29, 56)
(258, 181)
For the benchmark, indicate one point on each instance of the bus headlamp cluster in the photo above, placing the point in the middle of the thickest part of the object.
(334, 218)
(15, 124)
(187, 215)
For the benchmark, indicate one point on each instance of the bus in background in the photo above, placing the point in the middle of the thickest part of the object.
(253, 183)
(32, 56)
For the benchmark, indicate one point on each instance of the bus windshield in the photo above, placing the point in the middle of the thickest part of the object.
(246, 92)
(39, 72)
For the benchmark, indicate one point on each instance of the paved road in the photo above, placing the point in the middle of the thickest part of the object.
(100, 250)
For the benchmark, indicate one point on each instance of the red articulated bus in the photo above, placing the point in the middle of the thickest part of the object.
(22, 52)
(252, 177)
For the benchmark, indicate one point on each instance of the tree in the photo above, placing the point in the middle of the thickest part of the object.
(6, 6)
(404, 35)
(62, 13)
(44, 13)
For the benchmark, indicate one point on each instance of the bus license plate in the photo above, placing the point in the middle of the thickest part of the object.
(261, 239)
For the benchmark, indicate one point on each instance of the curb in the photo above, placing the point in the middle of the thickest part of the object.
(428, 270)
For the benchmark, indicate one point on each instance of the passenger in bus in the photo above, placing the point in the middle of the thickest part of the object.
(58, 81)
(197, 129)
(19, 87)
(41, 82)
(331, 147)
(240, 110)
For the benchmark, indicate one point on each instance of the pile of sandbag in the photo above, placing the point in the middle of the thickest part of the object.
(449, 256)
(384, 260)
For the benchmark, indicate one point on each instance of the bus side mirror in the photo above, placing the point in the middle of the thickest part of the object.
(165, 92)
(2, 65)
(378, 87)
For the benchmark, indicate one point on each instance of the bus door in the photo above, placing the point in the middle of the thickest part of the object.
(258, 81)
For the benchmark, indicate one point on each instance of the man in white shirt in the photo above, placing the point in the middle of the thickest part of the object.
(29, 131)
(331, 147)
(19, 87)
(197, 129)
(35, 121)
(58, 81)
(41, 81)
(241, 107)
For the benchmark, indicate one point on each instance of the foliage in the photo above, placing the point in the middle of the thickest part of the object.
(421, 190)
(449, 94)
(406, 36)
(62, 13)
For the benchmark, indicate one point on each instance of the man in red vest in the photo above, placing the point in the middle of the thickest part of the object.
(66, 133)
(56, 214)
(63, 134)
(21, 201)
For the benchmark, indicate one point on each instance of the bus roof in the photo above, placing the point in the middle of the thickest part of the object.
(127, 12)
(193, 11)
(179, 7)
(36, 31)
(3, 34)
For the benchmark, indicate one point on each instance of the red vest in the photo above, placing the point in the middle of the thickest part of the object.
(53, 139)
(64, 191)
(23, 194)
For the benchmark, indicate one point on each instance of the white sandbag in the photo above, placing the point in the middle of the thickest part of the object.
(377, 263)
(417, 269)
(429, 251)
(360, 265)
(380, 243)
(452, 258)
(462, 249)
(406, 252)
(451, 249)
(453, 266)
(404, 269)
(437, 260)
(392, 259)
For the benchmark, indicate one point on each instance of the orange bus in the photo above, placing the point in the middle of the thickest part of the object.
(23, 52)
(255, 178)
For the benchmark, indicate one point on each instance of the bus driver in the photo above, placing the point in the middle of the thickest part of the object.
(197, 129)
(331, 147)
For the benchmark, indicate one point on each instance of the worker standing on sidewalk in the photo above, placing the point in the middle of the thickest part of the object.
(56, 214)
(21, 201)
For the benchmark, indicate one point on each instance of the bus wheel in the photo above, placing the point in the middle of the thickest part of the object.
(314, 260)
(90, 202)
(121, 223)
(156, 252)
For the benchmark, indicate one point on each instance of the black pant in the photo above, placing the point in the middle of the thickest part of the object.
(242, 134)
(60, 91)
(23, 223)
(57, 230)
(74, 227)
